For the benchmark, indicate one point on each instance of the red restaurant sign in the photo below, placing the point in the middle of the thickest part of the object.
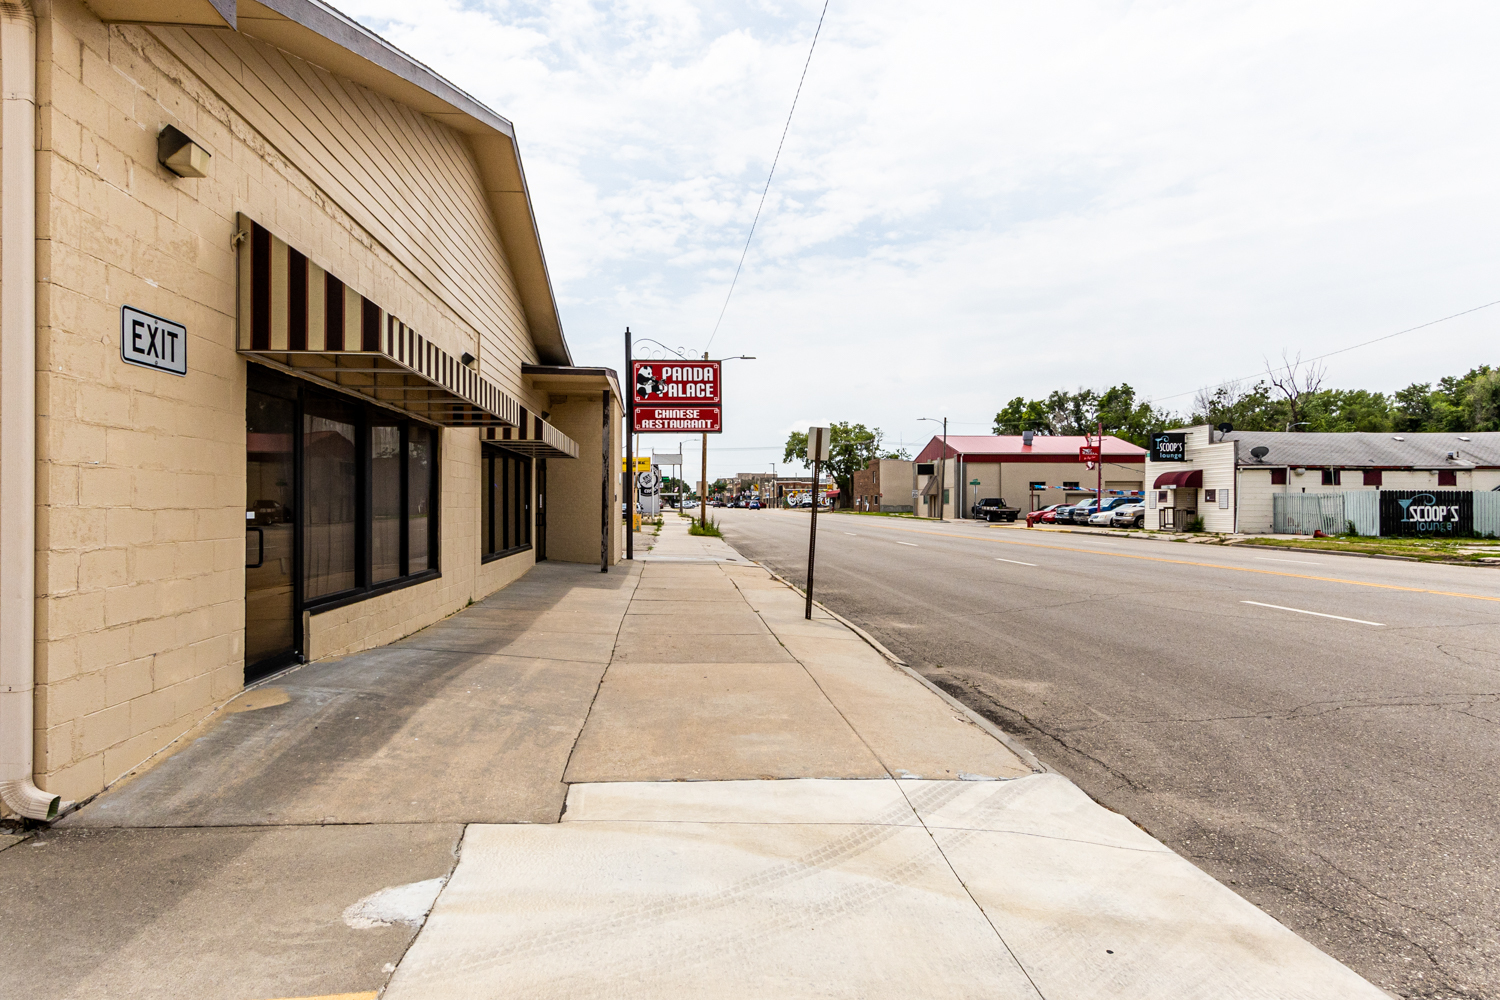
(678, 383)
(1089, 454)
(660, 419)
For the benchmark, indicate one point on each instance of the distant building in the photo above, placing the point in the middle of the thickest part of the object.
(884, 484)
(1229, 480)
(1027, 471)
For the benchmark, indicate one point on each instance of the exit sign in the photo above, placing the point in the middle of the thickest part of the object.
(152, 342)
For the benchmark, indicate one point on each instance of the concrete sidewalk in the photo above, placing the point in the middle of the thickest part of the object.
(662, 781)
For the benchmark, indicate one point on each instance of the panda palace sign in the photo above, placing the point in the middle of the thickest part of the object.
(676, 397)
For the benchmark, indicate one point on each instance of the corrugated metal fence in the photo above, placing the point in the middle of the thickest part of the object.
(1332, 513)
(1304, 513)
(1487, 514)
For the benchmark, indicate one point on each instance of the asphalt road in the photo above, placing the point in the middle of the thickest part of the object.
(1342, 773)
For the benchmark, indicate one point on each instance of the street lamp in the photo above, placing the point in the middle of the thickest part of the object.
(1300, 423)
(703, 492)
(942, 461)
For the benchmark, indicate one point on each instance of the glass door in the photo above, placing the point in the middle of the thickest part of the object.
(541, 509)
(272, 637)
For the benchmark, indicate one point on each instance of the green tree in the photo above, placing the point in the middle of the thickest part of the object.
(1484, 402)
(1021, 415)
(851, 447)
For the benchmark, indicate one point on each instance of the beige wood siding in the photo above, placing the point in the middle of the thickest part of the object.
(411, 183)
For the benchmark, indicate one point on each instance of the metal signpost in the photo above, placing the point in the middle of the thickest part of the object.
(817, 450)
(678, 395)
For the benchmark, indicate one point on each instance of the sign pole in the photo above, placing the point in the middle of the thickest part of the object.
(812, 535)
(629, 491)
(1099, 466)
(703, 490)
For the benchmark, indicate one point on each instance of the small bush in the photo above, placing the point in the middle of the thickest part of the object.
(711, 529)
(1196, 524)
(1350, 529)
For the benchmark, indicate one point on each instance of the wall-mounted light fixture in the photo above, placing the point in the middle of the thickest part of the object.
(466, 358)
(181, 155)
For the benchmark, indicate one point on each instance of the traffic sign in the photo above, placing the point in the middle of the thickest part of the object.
(973, 482)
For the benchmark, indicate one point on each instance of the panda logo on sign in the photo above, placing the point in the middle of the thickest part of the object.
(646, 383)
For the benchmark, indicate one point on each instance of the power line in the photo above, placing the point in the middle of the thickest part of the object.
(1341, 350)
(774, 160)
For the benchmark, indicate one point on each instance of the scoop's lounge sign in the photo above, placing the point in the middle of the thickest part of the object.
(1426, 513)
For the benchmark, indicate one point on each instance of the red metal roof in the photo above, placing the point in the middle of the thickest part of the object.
(999, 447)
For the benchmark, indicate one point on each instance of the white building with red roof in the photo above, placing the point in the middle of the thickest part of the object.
(1027, 471)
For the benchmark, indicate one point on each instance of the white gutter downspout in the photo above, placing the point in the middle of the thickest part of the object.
(18, 413)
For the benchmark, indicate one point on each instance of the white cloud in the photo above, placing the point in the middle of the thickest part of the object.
(984, 200)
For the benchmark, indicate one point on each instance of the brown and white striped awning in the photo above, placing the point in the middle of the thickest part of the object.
(302, 319)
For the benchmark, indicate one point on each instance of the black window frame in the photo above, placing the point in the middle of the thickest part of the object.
(495, 538)
(364, 589)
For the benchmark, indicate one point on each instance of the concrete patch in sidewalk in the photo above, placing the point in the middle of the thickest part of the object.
(913, 732)
(704, 618)
(688, 595)
(692, 910)
(213, 914)
(1092, 906)
(690, 647)
(698, 721)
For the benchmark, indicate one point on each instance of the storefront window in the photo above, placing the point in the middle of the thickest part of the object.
(370, 515)
(329, 457)
(507, 502)
(422, 489)
(385, 501)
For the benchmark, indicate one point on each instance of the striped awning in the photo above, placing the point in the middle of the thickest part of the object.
(302, 319)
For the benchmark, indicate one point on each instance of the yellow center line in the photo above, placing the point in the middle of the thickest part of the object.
(1191, 562)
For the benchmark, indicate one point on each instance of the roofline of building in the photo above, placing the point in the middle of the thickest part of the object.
(312, 30)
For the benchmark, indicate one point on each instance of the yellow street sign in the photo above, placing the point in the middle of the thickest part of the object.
(642, 464)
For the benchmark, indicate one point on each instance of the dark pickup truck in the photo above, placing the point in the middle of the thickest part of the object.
(994, 509)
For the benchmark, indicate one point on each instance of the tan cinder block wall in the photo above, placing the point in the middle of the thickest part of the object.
(140, 612)
(573, 487)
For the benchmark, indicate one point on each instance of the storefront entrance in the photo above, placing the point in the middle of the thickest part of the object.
(541, 509)
(272, 626)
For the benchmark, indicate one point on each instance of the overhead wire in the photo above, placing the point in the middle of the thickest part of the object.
(774, 160)
(1341, 350)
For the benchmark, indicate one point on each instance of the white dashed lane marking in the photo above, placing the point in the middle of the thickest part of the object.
(1278, 607)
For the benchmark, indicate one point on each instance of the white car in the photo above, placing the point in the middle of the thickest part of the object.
(1103, 519)
(1131, 515)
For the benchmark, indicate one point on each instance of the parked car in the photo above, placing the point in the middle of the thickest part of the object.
(993, 509)
(1081, 513)
(1103, 516)
(1036, 515)
(1129, 515)
(753, 505)
(1061, 515)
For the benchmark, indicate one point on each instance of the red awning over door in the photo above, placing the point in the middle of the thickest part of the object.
(1187, 479)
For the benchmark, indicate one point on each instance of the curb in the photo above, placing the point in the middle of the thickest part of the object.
(1009, 742)
(1368, 555)
(1245, 543)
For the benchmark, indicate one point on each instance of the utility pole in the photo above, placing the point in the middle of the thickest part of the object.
(629, 474)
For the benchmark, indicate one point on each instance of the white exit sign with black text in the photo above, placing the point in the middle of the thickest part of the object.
(152, 342)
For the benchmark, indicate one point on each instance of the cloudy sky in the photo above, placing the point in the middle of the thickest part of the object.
(984, 200)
